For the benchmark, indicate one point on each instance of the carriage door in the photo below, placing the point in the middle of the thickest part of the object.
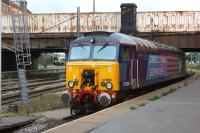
(133, 67)
(127, 66)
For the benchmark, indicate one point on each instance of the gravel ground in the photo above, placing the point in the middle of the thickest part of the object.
(39, 125)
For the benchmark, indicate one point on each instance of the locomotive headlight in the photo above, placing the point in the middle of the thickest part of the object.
(103, 84)
(76, 82)
(71, 84)
(109, 85)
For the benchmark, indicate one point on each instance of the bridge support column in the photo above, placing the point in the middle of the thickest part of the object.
(34, 65)
(34, 58)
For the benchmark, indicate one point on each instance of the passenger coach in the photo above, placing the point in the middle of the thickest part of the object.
(102, 66)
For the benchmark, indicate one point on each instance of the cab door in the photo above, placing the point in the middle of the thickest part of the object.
(133, 67)
(127, 66)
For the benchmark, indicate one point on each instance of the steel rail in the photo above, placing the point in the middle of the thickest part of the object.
(30, 85)
(37, 91)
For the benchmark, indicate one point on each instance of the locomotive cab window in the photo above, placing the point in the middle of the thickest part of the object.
(80, 52)
(125, 53)
(93, 52)
(105, 52)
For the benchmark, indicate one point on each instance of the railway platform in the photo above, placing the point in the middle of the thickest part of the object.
(176, 113)
(58, 114)
(14, 122)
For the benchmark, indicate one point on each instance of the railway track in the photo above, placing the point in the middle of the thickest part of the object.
(35, 88)
(14, 86)
(32, 73)
(39, 82)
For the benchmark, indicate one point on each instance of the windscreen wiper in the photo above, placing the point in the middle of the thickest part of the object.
(102, 48)
(82, 46)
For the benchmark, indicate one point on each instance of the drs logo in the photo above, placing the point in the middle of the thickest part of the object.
(160, 66)
(156, 66)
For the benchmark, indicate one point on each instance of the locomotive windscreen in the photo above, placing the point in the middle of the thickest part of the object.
(107, 52)
(80, 52)
(93, 52)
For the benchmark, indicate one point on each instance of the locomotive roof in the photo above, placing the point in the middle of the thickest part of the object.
(119, 38)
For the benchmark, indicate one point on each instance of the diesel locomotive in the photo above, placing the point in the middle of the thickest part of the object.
(102, 66)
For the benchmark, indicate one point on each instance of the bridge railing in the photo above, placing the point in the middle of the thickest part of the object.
(163, 21)
(169, 21)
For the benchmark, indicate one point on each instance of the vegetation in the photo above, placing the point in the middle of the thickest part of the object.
(49, 60)
(6, 2)
(193, 56)
(132, 108)
(142, 104)
(193, 67)
(193, 61)
(45, 60)
(39, 104)
(171, 90)
(154, 98)
(43, 103)
(139, 105)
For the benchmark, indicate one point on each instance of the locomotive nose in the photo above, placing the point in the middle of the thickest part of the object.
(104, 99)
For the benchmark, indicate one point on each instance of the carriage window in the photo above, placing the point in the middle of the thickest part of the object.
(79, 52)
(105, 52)
(125, 53)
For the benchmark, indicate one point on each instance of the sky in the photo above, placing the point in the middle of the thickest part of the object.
(66, 6)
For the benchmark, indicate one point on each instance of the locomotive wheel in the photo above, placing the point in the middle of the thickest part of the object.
(89, 106)
(75, 109)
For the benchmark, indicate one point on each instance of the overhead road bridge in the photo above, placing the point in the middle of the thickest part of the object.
(53, 32)
(180, 28)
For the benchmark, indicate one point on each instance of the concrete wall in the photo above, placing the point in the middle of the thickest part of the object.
(168, 21)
